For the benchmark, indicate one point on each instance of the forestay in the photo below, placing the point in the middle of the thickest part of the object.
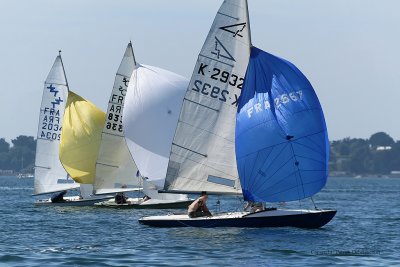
(282, 145)
(50, 175)
(115, 168)
(80, 139)
(203, 153)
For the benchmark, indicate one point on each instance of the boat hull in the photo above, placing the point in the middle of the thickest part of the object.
(151, 204)
(269, 218)
(72, 201)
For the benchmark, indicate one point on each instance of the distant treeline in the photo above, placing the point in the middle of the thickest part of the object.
(379, 154)
(20, 157)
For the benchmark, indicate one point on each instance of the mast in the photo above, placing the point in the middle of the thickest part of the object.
(133, 54)
(248, 20)
(62, 64)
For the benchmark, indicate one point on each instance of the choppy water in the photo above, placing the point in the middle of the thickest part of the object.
(365, 231)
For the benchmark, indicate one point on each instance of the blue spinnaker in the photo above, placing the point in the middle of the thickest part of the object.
(282, 145)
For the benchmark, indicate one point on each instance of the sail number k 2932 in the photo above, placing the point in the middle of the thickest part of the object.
(208, 89)
(222, 76)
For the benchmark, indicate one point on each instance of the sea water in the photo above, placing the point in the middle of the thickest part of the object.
(365, 231)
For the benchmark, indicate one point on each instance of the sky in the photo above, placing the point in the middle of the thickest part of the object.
(348, 49)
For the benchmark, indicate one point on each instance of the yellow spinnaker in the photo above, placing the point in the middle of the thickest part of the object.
(80, 138)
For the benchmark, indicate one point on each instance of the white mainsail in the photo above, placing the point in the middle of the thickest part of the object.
(203, 152)
(150, 115)
(115, 169)
(50, 175)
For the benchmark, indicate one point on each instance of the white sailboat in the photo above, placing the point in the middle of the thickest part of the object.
(116, 170)
(205, 155)
(50, 176)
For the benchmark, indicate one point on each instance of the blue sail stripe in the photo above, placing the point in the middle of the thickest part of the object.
(272, 176)
(271, 162)
(315, 143)
(288, 189)
(253, 165)
(309, 157)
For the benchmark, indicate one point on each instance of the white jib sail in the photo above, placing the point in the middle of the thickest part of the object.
(203, 151)
(115, 168)
(151, 111)
(50, 175)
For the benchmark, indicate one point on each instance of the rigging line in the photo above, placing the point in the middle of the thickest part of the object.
(300, 204)
(254, 180)
(60, 84)
(254, 162)
(122, 75)
(321, 137)
(108, 165)
(245, 181)
(198, 153)
(283, 190)
(289, 188)
(276, 172)
(227, 15)
(112, 134)
(227, 190)
(273, 160)
(319, 152)
(271, 146)
(62, 64)
(42, 167)
(116, 103)
(202, 105)
(222, 105)
(281, 180)
(312, 134)
(298, 174)
(45, 139)
(205, 130)
(270, 176)
(315, 170)
(227, 174)
(315, 206)
(230, 65)
(312, 159)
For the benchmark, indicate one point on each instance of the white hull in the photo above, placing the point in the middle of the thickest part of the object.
(73, 201)
(138, 203)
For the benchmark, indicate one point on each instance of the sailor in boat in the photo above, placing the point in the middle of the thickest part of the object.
(58, 197)
(145, 198)
(199, 208)
(120, 198)
(255, 206)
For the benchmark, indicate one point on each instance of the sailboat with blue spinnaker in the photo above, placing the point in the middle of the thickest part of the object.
(270, 144)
